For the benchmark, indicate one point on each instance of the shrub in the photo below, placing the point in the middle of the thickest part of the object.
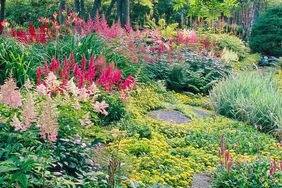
(251, 97)
(232, 43)
(260, 173)
(266, 34)
(197, 74)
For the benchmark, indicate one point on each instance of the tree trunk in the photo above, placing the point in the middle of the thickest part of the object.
(251, 19)
(2, 15)
(76, 6)
(125, 12)
(119, 9)
(108, 13)
(62, 8)
(96, 7)
(82, 10)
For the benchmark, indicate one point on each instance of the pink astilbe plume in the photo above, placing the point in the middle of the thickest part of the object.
(28, 112)
(193, 37)
(10, 93)
(47, 121)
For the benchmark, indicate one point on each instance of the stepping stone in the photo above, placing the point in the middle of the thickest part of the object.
(170, 116)
(201, 113)
(201, 181)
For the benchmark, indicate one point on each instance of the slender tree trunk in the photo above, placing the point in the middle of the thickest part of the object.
(125, 12)
(2, 15)
(82, 10)
(251, 19)
(96, 7)
(119, 10)
(77, 6)
(62, 8)
(108, 13)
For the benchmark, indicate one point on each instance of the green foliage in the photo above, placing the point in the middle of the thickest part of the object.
(116, 110)
(29, 11)
(19, 59)
(233, 43)
(250, 97)
(253, 174)
(266, 34)
(229, 57)
(197, 74)
(248, 62)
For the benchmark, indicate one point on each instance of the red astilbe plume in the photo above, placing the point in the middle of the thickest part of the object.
(32, 32)
(65, 72)
(22, 36)
(109, 77)
(39, 73)
(55, 65)
(90, 73)
(129, 83)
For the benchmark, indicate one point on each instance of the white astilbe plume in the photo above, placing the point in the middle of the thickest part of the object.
(41, 90)
(52, 81)
(17, 124)
(86, 121)
(28, 84)
(28, 112)
(100, 107)
(71, 88)
(47, 121)
(83, 94)
(10, 93)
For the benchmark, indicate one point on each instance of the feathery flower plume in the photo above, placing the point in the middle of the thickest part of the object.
(86, 121)
(99, 107)
(10, 94)
(16, 123)
(28, 112)
(47, 121)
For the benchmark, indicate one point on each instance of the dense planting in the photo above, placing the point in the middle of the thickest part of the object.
(85, 103)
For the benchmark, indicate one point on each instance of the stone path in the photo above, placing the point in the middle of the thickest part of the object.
(201, 181)
(170, 116)
(201, 113)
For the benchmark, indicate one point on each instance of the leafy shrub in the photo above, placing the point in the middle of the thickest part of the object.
(233, 43)
(248, 63)
(251, 97)
(266, 34)
(229, 57)
(197, 74)
(19, 59)
(29, 10)
(260, 173)
(116, 110)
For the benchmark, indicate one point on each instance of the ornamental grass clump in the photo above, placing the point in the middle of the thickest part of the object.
(250, 97)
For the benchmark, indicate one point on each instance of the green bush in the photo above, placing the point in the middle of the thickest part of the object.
(232, 43)
(197, 74)
(266, 34)
(254, 174)
(251, 97)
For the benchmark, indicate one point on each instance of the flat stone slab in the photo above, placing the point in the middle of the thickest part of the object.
(170, 116)
(201, 113)
(201, 181)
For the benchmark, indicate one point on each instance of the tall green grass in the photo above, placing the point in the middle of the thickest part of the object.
(250, 97)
